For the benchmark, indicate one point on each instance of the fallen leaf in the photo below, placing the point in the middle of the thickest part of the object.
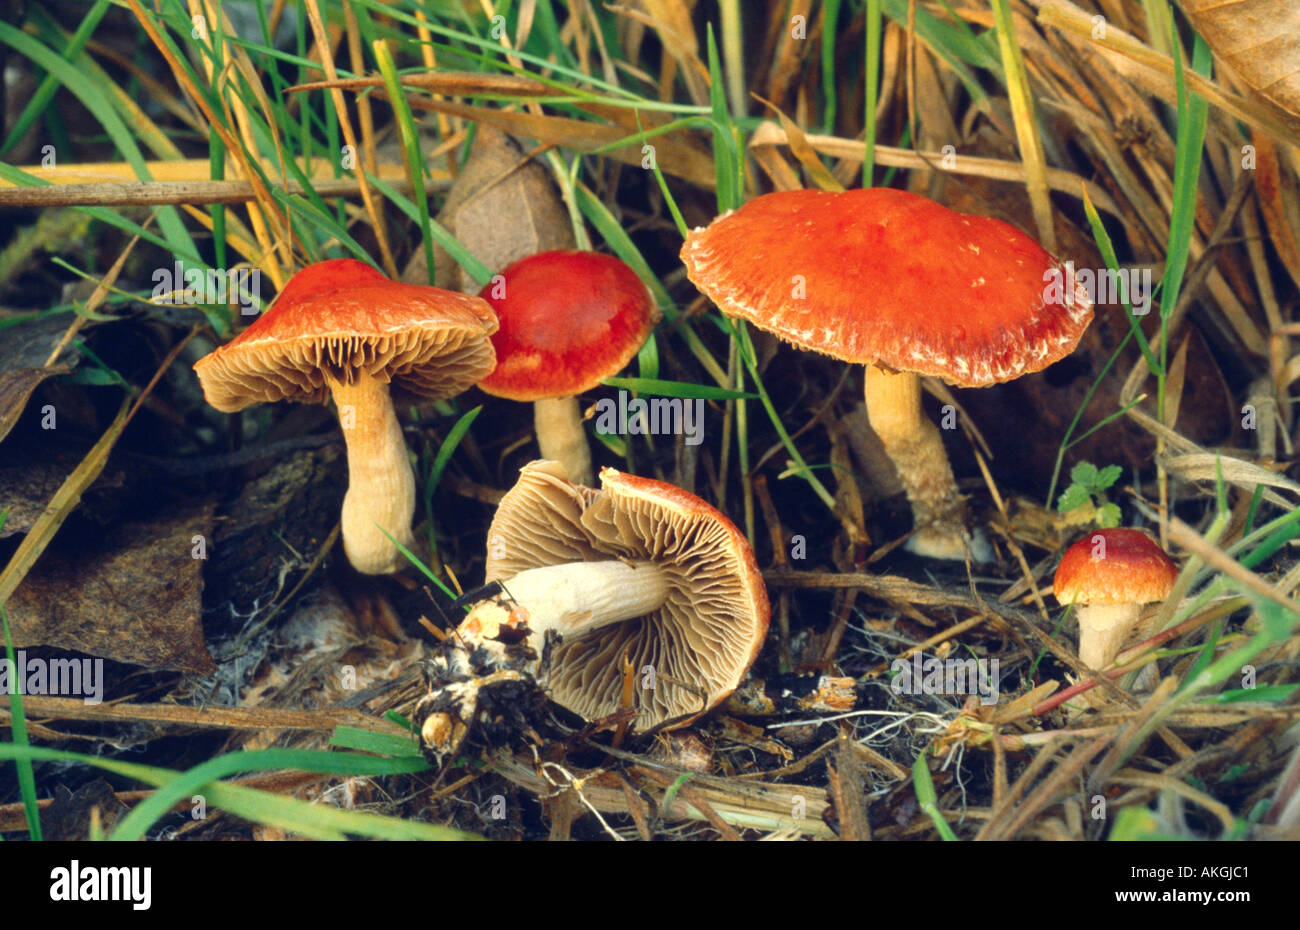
(133, 594)
(1257, 39)
(68, 816)
(498, 180)
(24, 350)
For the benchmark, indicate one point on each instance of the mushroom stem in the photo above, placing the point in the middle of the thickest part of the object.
(381, 485)
(1103, 628)
(914, 445)
(575, 598)
(561, 437)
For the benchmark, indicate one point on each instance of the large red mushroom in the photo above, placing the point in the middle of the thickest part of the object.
(906, 287)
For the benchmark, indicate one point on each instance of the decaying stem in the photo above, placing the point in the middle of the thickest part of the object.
(915, 447)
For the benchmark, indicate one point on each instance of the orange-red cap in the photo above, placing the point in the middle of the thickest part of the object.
(341, 317)
(1117, 566)
(890, 277)
(568, 318)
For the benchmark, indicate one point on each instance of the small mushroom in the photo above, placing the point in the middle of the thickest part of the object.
(898, 283)
(568, 318)
(639, 568)
(340, 328)
(1110, 574)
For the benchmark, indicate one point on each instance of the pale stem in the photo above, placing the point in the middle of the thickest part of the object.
(381, 484)
(1103, 628)
(574, 599)
(915, 447)
(562, 439)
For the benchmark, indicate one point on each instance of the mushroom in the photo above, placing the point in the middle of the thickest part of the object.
(568, 319)
(639, 568)
(898, 283)
(340, 328)
(1110, 574)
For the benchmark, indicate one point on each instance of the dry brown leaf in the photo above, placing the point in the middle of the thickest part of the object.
(131, 595)
(1271, 185)
(674, 153)
(763, 145)
(798, 142)
(69, 814)
(1207, 466)
(498, 180)
(1154, 72)
(24, 352)
(1259, 40)
(1174, 383)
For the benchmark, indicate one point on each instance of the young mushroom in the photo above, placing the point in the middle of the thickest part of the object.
(1109, 575)
(640, 569)
(568, 319)
(906, 287)
(340, 328)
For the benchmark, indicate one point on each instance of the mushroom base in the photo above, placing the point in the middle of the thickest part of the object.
(915, 447)
(381, 484)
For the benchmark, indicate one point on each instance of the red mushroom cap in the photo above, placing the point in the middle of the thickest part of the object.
(889, 277)
(1118, 566)
(568, 318)
(342, 316)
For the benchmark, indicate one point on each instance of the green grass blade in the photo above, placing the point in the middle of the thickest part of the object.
(49, 84)
(675, 389)
(424, 569)
(1192, 115)
(315, 821)
(830, 20)
(169, 221)
(747, 356)
(18, 723)
(410, 144)
(388, 744)
(926, 799)
(445, 452)
(725, 156)
(873, 31)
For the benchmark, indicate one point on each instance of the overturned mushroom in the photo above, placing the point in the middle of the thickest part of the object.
(341, 328)
(639, 568)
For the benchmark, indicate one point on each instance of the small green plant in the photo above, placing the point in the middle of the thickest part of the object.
(1085, 500)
